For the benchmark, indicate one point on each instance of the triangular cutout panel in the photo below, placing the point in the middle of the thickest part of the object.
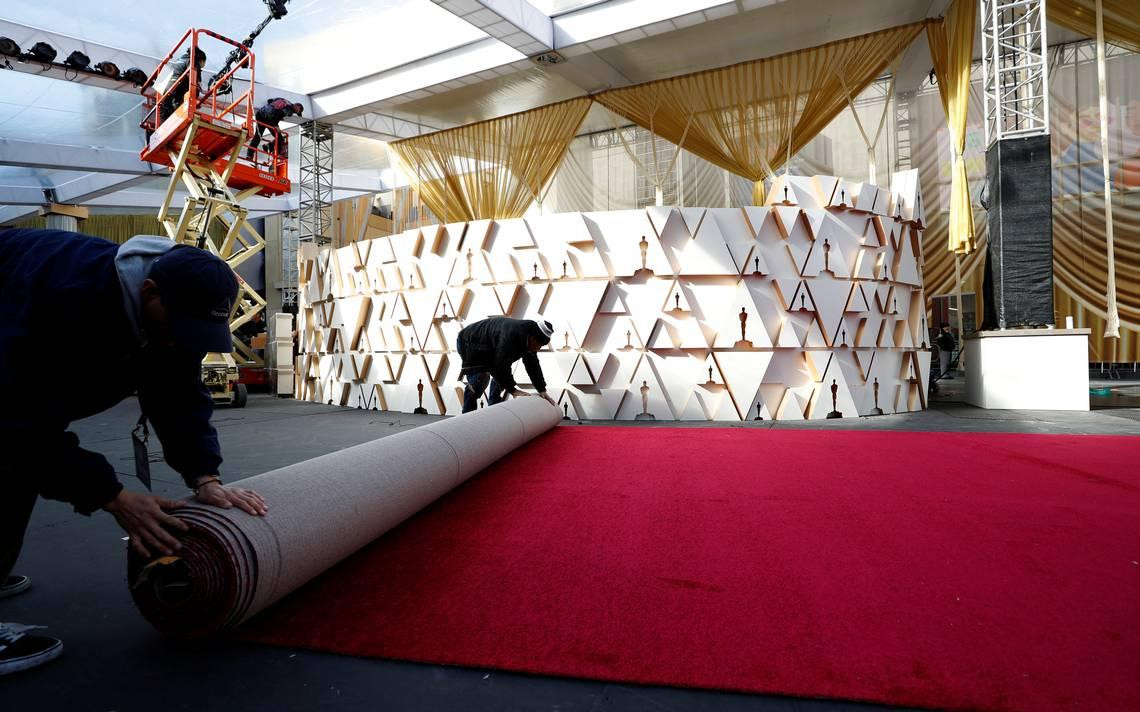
(743, 373)
(760, 220)
(573, 305)
(707, 253)
(619, 235)
(586, 262)
(693, 218)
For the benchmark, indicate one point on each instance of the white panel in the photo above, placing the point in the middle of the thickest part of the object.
(654, 296)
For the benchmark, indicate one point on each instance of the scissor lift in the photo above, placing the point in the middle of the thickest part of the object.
(204, 139)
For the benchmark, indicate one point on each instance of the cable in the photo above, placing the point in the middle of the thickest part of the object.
(276, 12)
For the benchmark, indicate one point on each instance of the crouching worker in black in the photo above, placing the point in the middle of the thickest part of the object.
(85, 323)
(490, 347)
(271, 114)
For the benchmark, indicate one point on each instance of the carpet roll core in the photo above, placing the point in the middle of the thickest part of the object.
(233, 565)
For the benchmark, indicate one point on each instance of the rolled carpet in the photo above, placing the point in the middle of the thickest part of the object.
(232, 565)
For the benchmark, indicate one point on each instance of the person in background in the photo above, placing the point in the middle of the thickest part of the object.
(271, 115)
(946, 345)
(177, 93)
(488, 348)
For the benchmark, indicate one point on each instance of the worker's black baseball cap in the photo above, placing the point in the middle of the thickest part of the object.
(198, 291)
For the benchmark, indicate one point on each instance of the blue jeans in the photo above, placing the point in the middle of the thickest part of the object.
(476, 384)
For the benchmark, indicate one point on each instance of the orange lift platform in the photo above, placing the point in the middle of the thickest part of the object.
(221, 155)
(181, 117)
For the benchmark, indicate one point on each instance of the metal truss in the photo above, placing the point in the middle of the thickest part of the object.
(290, 272)
(385, 127)
(903, 130)
(1015, 69)
(316, 182)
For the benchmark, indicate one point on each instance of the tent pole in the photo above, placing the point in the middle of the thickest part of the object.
(1112, 320)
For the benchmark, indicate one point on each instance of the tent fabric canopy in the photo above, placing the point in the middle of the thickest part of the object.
(492, 169)
(952, 50)
(1121, 19)
(749, 118)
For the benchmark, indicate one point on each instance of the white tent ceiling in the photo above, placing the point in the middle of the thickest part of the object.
(384, 68)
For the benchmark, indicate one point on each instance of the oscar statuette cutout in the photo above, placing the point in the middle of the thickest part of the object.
(420, 410)
(644, 414)
(644, 271)
(743, 343)
(877, 410)
(628, 345)
(834, 409)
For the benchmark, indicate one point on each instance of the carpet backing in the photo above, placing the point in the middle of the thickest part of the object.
(233, 565)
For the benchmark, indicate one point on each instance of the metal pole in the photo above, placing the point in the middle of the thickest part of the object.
(958, 301)
(1112, 319)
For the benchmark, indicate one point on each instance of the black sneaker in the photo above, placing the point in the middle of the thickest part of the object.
(20, 651)
(13, 585)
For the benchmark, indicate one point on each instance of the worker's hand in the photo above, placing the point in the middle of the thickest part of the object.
(218, 495)
(142, 517)
(519, 393)
(549, 400)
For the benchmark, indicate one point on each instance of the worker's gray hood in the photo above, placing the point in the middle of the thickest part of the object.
(133, 262)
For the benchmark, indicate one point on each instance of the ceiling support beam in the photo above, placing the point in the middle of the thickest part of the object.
(515, 23)
(26, 35)
(55, 156)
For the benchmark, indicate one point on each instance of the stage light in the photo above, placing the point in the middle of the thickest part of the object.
(42, 52)
(135, 76)
(108, 69)
(77, 60)
(8, 48)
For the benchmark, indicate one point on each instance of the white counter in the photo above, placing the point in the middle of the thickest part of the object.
(1028, 369)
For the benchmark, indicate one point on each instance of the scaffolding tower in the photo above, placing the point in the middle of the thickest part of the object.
(1015, 69)
(316, 182)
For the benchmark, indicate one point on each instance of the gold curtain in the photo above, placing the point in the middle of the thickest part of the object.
(749, 118)
(1121, 19)
(116, 228)
(491, 169)
(952, 50)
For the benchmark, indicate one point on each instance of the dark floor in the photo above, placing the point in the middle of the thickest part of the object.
(114, 661)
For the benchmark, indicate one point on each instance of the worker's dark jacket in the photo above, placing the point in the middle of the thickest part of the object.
(68, 351)
(177, 91)
(274, 111)
(493, 344)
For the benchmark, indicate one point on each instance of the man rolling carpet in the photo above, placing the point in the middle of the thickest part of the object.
(490, 347)
(84, 323)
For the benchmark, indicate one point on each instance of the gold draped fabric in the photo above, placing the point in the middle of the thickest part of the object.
(749, 118)
(1079, 235)
(116, 228)
(952, 51)
(492, 169)
(1121, 19)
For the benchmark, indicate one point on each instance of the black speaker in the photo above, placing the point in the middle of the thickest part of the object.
(1018, 287)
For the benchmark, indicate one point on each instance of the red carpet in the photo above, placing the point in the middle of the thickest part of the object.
(968, 571)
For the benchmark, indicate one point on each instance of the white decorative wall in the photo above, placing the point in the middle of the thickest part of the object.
(648, 307)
